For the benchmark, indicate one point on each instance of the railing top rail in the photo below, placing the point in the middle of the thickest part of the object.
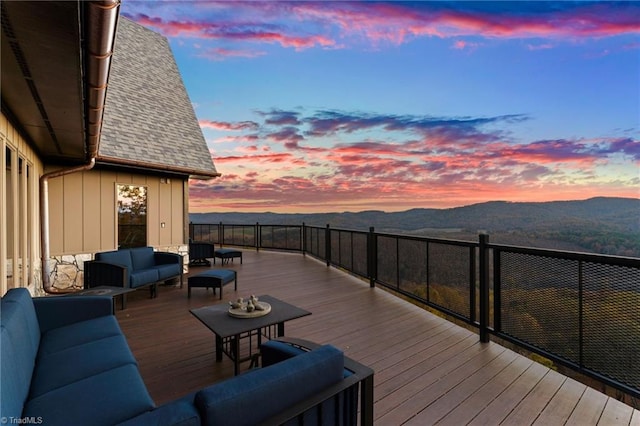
(358, 231)
(569, 255)
(429, 239)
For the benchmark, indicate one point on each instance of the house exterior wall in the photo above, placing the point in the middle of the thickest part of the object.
(83, 218)
(83, 211)
(20, 264)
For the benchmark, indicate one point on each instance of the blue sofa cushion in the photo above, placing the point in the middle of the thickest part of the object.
(119, 257)
(143, 277)
(168, 271)
(61, 368)
(22, 297)
(107, 398)
(78, 333)
(142, 258)
(17, 360)
(254, 397)
(227, 252)
(180, 412)
(60, 311)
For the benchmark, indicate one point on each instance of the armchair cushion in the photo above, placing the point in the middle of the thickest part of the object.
(119, 257)
(142, 258)
(139, 278)
(166, 271)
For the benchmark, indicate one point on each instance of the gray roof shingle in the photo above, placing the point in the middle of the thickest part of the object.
(149, 120)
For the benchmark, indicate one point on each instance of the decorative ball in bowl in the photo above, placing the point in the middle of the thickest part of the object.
(249, 308)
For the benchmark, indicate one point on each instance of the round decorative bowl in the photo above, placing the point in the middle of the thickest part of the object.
(242, 311)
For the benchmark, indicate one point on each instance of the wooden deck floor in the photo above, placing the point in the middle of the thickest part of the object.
(427, 370)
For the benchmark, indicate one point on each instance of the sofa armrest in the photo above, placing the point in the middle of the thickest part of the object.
(356, 374)
(262, 393)
(58, 311)
(97, 273)
(164, 258)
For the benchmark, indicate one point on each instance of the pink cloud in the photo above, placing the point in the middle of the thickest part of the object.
(432, 162)
(220, 53)
(304, 25)
(222, 125)
(232, 31)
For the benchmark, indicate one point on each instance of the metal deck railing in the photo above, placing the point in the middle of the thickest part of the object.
(579, 310)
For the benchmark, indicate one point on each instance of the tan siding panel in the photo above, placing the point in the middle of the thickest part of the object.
(56, 216)
(72, 199)
(153, 215)
(91, 207)
(165, 213)
(124, 178)
(177, 213)
(107, 210)
(140, 180)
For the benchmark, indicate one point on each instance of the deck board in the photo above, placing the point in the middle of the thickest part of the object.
(427, 369)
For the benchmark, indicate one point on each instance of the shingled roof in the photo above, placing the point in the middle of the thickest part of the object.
(149, 120)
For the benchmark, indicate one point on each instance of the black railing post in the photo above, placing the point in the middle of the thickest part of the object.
(257, 236)
(303, 239)
(327, 245)
(497, 291)
(372, 257)
(484, 288)
(221, 234)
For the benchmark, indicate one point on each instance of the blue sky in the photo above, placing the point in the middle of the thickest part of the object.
(350, 106)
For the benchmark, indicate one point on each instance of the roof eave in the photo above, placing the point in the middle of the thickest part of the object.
(191, 172)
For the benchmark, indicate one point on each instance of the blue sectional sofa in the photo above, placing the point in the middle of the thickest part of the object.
(65, 362)
(133, 268)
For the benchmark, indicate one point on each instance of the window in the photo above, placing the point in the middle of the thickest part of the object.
(132, 216)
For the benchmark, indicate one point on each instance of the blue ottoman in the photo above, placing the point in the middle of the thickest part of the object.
(213, 278)
(226, 255)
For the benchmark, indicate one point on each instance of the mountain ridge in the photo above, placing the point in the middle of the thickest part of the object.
(605, 225)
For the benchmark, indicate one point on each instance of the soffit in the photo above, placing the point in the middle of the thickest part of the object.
(42, 75)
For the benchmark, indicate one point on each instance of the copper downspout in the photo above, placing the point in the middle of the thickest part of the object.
(100, 28)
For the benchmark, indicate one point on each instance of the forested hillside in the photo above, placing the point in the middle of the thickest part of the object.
(602, 225)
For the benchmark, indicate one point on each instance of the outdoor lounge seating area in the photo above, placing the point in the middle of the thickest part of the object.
(56, 351)
(427, 369)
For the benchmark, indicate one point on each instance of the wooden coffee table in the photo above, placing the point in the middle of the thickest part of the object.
(229, 331)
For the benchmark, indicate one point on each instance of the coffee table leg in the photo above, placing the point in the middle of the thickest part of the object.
(235, 341)
(280, 329)
(124, 301)
(218, 348)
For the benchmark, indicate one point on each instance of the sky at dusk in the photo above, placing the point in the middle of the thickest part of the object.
(348, 106)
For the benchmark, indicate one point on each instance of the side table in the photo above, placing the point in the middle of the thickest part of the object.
(106, 290)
